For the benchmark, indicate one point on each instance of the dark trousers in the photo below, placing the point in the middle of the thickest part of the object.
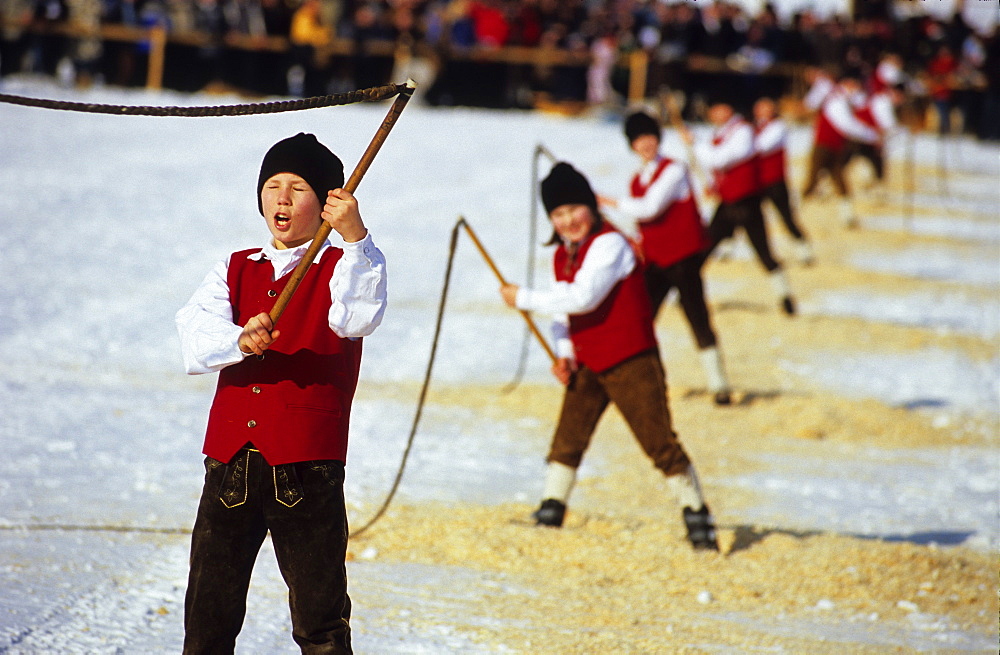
(873, 153)
(302, 505)
(831, 161)
(778, 194)
(685, 275)
(638, 386)
(743, 213)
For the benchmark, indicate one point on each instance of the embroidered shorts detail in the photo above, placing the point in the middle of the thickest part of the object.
(287, 487)
(288, 490)
(233, 489)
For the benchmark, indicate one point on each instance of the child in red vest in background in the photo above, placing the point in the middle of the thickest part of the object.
(836, 128)
(877, 109)
(770, 142)
(731, 158)
(607, 351)
(672, 239)
(276, 441)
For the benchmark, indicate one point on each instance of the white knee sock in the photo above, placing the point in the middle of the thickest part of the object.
(847, 215)
(779, 282)
(711, 360)
(686, 489)
(559, 480)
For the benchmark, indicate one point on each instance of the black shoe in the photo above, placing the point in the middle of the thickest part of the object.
(551, 513)
(788, 305)
(722, 398)
(700, 528)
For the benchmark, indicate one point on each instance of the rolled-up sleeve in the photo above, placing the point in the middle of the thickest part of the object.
(358, 290)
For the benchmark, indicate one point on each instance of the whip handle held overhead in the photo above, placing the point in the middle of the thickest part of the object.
(496, 271)
(352, 183)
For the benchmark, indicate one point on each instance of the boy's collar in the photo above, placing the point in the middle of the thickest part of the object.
(269, 252)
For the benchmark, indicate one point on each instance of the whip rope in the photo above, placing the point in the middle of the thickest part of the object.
(350, 97)
(452, 247)
(522, 360)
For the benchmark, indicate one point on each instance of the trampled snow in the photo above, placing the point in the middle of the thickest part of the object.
(111, 223)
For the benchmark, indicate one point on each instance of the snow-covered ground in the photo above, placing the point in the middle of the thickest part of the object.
(111, 222)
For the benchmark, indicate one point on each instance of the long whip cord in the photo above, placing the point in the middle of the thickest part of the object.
(522, 360)
(372, 94)
(452, 247)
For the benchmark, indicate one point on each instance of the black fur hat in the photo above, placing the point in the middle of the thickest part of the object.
(306, 157)
(566, 186)
(639, 123)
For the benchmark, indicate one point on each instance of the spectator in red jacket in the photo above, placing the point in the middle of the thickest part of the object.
(940, 83)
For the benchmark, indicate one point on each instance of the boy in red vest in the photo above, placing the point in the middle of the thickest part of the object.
(607, 352)
(877, 109)
(836, 128)
(672, 239)
(276, 441)
(733, 161)
(770, 140)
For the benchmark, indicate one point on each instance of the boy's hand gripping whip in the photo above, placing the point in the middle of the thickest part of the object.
(352, 183)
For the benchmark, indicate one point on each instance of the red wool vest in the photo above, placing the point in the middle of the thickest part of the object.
(770, 165)
(826, 134)
(740, 179)
(864, 114)
(677, 232)
(621, 327)
(294, 404)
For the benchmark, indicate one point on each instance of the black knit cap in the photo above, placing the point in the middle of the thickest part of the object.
(566, 186)
(639, 123)
(306, 157)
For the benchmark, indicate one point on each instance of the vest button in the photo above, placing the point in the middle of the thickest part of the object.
(272, 293)
(256, 390)
(251, 423)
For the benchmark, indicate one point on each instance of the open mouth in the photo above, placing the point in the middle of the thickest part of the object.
(281, 221)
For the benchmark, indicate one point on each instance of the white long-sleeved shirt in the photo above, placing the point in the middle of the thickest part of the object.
(880, 105)
(210, 338)
(672, 185)
(736, 145)
(772, 137)
(818, 92)
(838, 110)
(609, 260)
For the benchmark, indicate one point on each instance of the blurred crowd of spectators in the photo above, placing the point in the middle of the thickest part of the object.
(700, 47)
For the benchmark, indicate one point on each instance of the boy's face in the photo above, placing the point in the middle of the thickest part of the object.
(572, 222)
(763, 110)
(719, 114)
(646, 146)
(291, 210)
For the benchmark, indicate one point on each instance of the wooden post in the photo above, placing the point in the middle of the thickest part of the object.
(638, 65)
(157, 55)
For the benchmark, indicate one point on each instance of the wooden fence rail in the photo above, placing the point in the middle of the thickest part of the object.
(635, 63)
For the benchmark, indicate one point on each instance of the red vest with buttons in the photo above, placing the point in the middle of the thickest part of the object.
(294, 403)
(677, 232)
(621, 326)
(770, 164)
(739, 180)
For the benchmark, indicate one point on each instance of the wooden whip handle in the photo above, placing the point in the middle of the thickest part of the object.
(352, 183)
(496, 271)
